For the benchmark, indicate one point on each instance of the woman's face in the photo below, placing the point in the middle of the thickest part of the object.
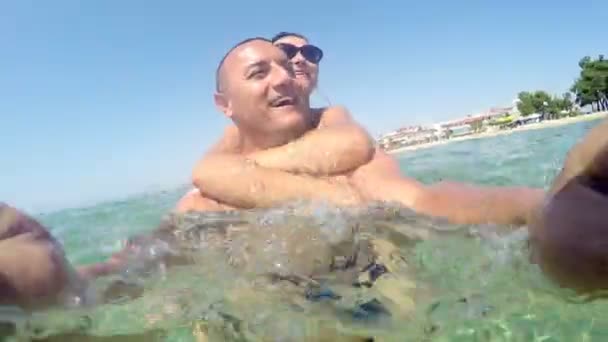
(306, 70)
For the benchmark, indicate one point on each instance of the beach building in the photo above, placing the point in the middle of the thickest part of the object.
(462, 130)
(474, 123)
(407, 136)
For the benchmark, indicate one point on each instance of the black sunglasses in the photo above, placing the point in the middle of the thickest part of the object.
(310, 52)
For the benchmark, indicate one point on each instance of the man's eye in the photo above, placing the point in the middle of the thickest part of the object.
(257, 74)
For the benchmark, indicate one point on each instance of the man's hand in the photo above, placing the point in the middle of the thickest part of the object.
(569, 236)
(33, 269)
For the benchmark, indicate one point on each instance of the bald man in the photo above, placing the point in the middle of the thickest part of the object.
(281, 154)
(254, 73)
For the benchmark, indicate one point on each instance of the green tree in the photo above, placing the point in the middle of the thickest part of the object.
(554, 107)
(536, 102)
(560, 104)
(591, 87)
(524, 105)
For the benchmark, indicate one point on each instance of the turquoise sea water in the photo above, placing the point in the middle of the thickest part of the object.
(475, 288)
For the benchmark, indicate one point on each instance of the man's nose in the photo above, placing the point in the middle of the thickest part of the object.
(282, 76)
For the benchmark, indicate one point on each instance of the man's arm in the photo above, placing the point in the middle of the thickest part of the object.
(471, 204)
(340, 193)
(336, 146)
(459, 203)
(264, 179)
(241, 183)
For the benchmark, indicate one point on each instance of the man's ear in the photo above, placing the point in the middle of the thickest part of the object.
(223, 104)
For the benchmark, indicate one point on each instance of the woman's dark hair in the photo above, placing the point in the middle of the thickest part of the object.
(287, 34)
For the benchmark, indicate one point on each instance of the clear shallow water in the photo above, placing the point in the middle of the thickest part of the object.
(469, 287)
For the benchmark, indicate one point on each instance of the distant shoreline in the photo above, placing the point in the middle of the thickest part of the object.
(540, 125)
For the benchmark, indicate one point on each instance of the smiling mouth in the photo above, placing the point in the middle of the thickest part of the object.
(283, 101)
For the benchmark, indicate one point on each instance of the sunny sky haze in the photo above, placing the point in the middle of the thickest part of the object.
(101, 99)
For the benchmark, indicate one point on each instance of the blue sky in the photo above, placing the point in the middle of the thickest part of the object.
(101, 99)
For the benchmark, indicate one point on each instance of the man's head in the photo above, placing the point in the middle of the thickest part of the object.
(304, 57)
(256, 89)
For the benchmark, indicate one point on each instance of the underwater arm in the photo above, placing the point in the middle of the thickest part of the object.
(192, 201)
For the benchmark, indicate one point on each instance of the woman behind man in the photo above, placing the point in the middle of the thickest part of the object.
(355, 147)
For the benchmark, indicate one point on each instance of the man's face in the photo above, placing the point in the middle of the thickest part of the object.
(259, 91)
